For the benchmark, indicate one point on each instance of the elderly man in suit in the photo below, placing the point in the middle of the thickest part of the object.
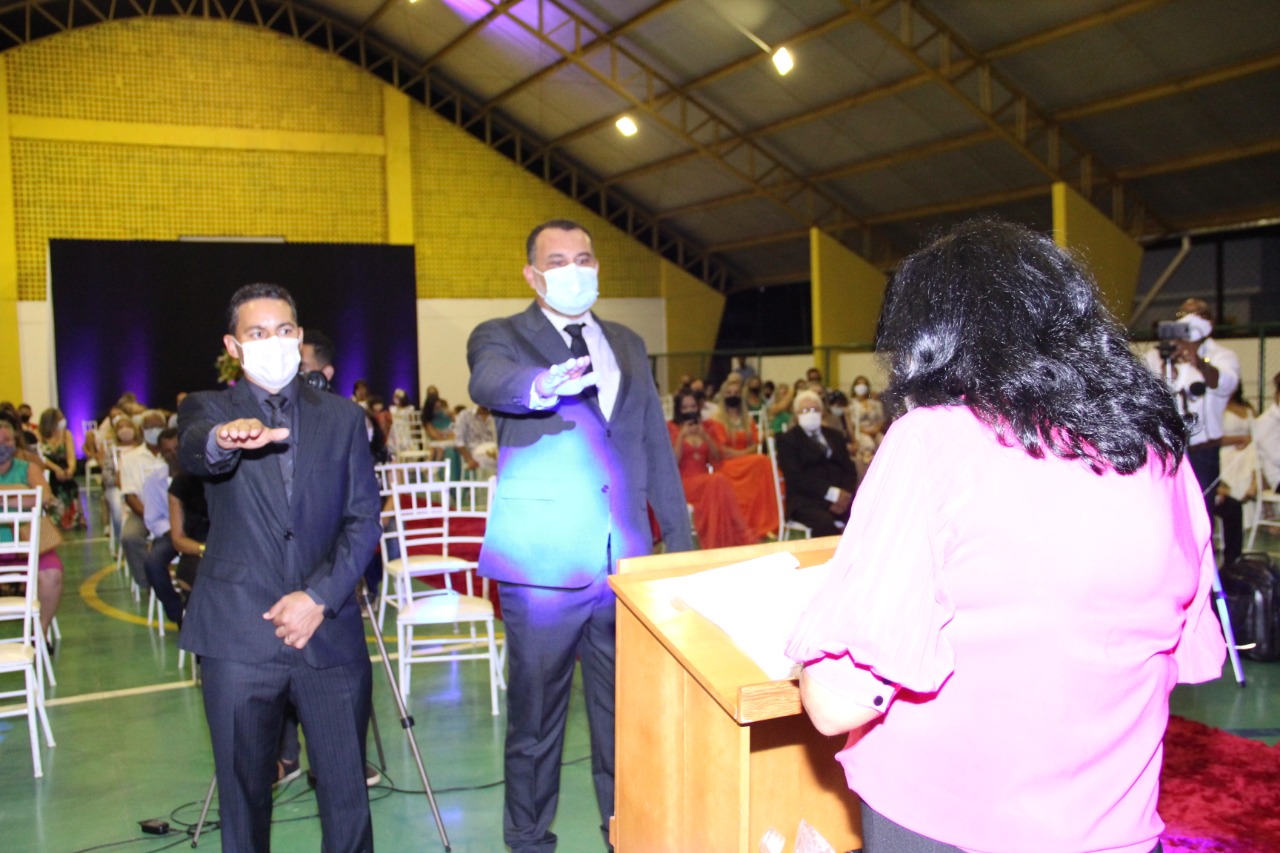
(583, 453)
(820, 476)
(293, 505)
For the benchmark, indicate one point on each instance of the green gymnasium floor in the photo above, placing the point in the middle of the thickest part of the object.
(132, 742)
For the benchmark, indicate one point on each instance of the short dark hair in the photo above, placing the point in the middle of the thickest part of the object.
(259, 290)
(530, 245)
(167, 433)
(996, 317)
(8, 416)
(320, 345)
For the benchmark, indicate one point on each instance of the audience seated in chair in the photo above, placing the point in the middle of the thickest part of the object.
(135, 467)
(716, 516)
(478, 442)
(156, 516)
(815, 463)
(748, 470)
(17, 471)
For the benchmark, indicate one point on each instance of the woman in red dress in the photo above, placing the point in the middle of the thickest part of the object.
(716, 516)
(746, 467)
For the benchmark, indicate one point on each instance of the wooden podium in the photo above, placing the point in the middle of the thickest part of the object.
(710, 754)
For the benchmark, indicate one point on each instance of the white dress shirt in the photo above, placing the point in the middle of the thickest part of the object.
(1209, 406)
(603, 362)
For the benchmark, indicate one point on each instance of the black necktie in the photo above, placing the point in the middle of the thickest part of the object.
(820, 440)
(578, 346)
(278, 404)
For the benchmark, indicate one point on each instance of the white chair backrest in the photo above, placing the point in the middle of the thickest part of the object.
(20, 522)
(20, 512)
(772, 444)
(761, 418)
(392, 474)
(422, 512)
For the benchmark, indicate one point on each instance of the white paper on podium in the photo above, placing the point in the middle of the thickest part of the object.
(757, 603)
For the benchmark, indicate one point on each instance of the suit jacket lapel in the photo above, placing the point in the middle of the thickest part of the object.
(310, 425)
(245, 405)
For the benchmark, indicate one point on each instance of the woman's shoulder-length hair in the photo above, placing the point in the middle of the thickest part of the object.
(996, 317)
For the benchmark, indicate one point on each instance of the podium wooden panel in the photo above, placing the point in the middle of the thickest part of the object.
(711, 754)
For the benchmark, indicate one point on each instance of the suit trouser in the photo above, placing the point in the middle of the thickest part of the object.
(156, 565)
(818, 519)
(1205, 463)
(133, 541)
(546, 630)
(245, 706)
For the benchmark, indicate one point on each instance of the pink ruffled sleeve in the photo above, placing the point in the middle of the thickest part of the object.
(885, 604)
(1201, 649)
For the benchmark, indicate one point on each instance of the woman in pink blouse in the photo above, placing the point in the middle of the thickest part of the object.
(1026, 572)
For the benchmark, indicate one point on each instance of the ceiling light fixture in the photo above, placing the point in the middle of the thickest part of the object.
(782, 58)
(782, 61)
(626, 126)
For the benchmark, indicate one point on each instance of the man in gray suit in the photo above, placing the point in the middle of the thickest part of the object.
(293, 506)
(583, 454)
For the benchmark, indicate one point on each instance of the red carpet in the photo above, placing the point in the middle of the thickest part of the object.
(1219, 793)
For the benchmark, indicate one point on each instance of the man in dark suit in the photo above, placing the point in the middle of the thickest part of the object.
(583, 452)
(820, 476)
(293, 505)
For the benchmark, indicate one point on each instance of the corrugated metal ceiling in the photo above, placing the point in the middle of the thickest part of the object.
(899, 117)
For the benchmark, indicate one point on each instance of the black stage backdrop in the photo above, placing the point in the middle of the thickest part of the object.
(149, 317)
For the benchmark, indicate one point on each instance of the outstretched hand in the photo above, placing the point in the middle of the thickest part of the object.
(565, 379)
(247, 434)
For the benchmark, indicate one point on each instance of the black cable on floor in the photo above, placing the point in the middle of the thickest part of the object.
(185, 830)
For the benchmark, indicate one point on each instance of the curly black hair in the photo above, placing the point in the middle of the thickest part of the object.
(996, 317)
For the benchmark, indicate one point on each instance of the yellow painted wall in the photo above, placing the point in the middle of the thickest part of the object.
(153, 129)
(693, 320)
(847, 292)
(475, 209)
(10, 359)
(1110, 254)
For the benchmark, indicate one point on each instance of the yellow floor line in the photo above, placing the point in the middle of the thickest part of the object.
(117, 694)
(89, 592)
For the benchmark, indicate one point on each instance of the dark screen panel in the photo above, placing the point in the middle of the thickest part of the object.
(149, 317)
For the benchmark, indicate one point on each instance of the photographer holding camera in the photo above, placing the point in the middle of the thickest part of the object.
(1203, 375)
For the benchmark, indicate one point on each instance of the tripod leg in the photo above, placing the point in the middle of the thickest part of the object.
(406, 721)
(1225, 616)
(377, 734)
(204, 812)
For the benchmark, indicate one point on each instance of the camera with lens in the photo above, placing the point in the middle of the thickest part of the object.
(1168, 333)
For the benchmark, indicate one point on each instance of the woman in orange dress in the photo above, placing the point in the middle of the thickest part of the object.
(746, 467)
(716, 516)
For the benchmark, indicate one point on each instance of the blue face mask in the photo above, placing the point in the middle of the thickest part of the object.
(7, 452)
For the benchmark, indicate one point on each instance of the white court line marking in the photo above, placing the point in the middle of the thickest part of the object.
(148, 689)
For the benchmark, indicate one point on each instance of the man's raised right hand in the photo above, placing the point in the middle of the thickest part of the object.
(247, 434)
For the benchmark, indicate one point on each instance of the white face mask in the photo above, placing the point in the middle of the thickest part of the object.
(62, 424)
(571, 289)
(271, 362)
(837, 410)
(860, 390)
(151, 435)
(809, 421)
(1199, 327)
